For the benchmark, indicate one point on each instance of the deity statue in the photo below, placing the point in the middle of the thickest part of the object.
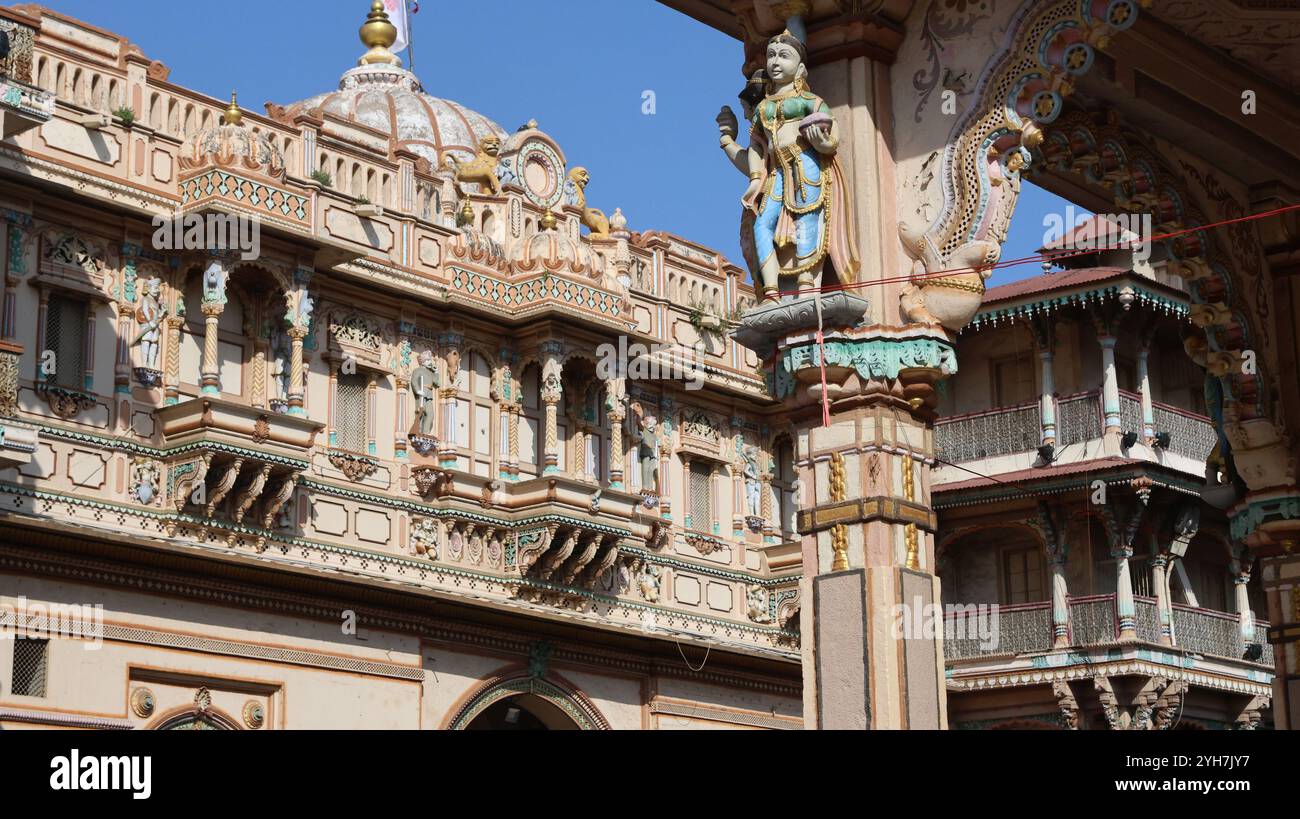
(214, 284)
(280, 351)
(424, 385)
(797, 194)
(646, 436)
(149, 315)
(753, 487)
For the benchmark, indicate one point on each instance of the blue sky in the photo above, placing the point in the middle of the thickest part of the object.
(580, 67)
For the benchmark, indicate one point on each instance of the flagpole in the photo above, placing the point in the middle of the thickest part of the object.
(410, 39)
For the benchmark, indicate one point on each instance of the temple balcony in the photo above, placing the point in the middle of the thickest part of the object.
(22, 105)
(232, 461)
(1025, 631)
(1006, 439)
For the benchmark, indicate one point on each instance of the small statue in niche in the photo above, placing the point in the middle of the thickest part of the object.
(424, 386)
(149, 315)
(646, 436)
(753, 487)
(799, 198)
(279, 369)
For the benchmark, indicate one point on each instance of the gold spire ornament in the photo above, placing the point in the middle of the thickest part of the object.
(233, 115)
(378, 34)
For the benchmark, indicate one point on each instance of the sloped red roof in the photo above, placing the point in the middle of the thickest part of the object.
(1037, 473)
(1045, 282)
(1095, 232)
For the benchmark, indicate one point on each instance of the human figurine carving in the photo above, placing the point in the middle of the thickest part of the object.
(149, 315)
(646, 436)
(753, 487)
(280, 370)
(797, 194)
(424, 385)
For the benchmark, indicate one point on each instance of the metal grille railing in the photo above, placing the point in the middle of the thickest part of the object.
(987, 435)
(1147, 613)
(350, 414)
(701, 497)
(1130, 413)
(1208, 632)
(1078, 419)
(1092, 620)
(1261, 637)
(1020, 629)
(1190, 435)
(31, 663)
(65, 336)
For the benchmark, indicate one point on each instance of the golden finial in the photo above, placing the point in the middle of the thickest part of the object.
(548, 220)
(378, 34)
(233, 115)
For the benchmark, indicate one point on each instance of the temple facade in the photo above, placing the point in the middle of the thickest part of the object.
(355, 413)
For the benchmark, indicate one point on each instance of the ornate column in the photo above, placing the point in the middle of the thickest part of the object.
(402, 385)
(1122, 519)
(552, 392)
(451, 345)
(1241, 563)
(1052, 524)
(617, 414)
(506, 395)
(863, 444)
(172, 362)
(667, 409)
(1109, 384)
(1186, 523)
(214, 303)
(1144, 389)
(297, 369)
(301, 309)
(17, 224)
(1160, 581)
(1043, 328)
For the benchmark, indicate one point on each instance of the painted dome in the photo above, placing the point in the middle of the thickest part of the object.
(380, 94)
(391, 100)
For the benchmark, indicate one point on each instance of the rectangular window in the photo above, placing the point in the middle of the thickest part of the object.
(350, 414)
(1013, 382)
(1022, 573)
(701, 489)
(65, 336)
(31, 664)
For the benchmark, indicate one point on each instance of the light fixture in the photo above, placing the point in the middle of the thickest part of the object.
(512, 716)
(1162, 440)
(1253, 651)
(1129, 439)
(1046, 453)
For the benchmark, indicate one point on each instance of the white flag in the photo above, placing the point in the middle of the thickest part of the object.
(398, 17)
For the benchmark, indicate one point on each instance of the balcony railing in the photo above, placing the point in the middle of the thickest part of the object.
(1011, 430)
(973, 436)
(1027, 628)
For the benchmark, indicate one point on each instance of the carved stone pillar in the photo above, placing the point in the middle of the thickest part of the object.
(1109, 384)
(862, 445)
(1144, 388)
(1160, 581)
(617, 414)
(297, 391)
(172, 376)
(214, 304)
(552, 392)
(399, 419)
(1052, 524)
(514, 413)
(210, 375)
(1047, 397)
(1241, 564)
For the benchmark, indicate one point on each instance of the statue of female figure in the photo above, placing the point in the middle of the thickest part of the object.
(646, 436)
(798, 195)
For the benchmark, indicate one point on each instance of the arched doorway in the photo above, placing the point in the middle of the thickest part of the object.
(524, 712)
(526, 703)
